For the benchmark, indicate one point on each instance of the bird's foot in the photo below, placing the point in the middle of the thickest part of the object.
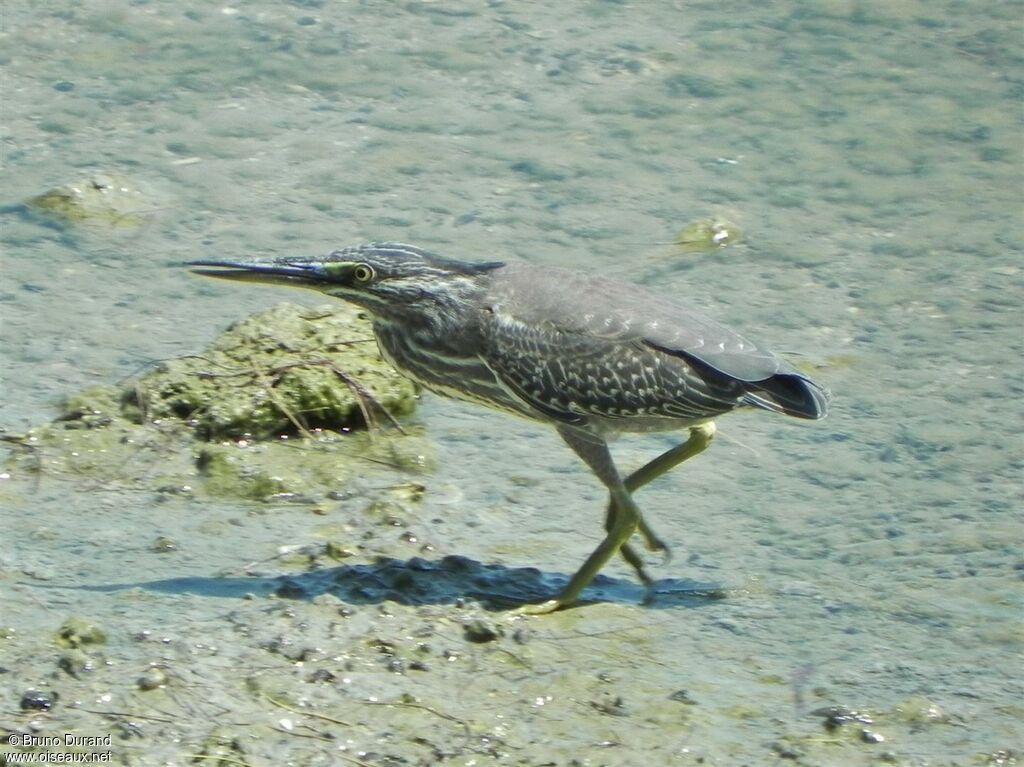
(654, 543)
(543, 608)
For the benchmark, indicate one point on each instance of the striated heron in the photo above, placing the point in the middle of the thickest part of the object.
(591, 356)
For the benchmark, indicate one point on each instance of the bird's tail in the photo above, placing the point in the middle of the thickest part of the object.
(790, 393)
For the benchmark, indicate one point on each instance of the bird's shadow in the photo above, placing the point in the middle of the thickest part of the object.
(418, 581)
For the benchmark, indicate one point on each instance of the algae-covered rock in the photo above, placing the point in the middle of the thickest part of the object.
(284, 373)
(77, 632)
(287, 370)
(99, 199)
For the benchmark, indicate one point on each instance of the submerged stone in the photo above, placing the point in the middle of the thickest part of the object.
(99, 199)
(37, 700)
(152, 679)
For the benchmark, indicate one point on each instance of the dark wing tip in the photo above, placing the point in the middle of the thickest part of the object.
(790, 393)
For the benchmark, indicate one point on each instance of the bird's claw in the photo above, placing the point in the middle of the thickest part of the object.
(544, 608)
(655, 545)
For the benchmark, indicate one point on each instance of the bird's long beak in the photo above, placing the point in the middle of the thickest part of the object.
(293, 272)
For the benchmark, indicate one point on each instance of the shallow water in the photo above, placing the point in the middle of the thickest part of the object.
(871, 154)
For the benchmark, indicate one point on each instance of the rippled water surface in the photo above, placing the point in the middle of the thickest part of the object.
(862, 576)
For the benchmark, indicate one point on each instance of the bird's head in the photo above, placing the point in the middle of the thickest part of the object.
(390, 279)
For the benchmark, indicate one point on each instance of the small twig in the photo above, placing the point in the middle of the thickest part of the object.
(300, 712)
(352, 760)
(219, 757)
(363, 395)
(128, 715)
(312, 735)
(405, 704)
(268, 387)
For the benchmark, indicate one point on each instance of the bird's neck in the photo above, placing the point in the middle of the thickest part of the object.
(453, 310)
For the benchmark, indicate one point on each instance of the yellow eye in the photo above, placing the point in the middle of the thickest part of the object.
(363, 273)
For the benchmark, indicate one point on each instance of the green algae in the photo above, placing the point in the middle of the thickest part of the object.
(228, 473)
(707, 234)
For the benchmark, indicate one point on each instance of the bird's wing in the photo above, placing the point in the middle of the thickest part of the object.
(573, 376)
(578, 303)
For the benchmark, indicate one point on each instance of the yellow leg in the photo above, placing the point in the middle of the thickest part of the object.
(623, 518)
(623, 527)
(700, 438)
